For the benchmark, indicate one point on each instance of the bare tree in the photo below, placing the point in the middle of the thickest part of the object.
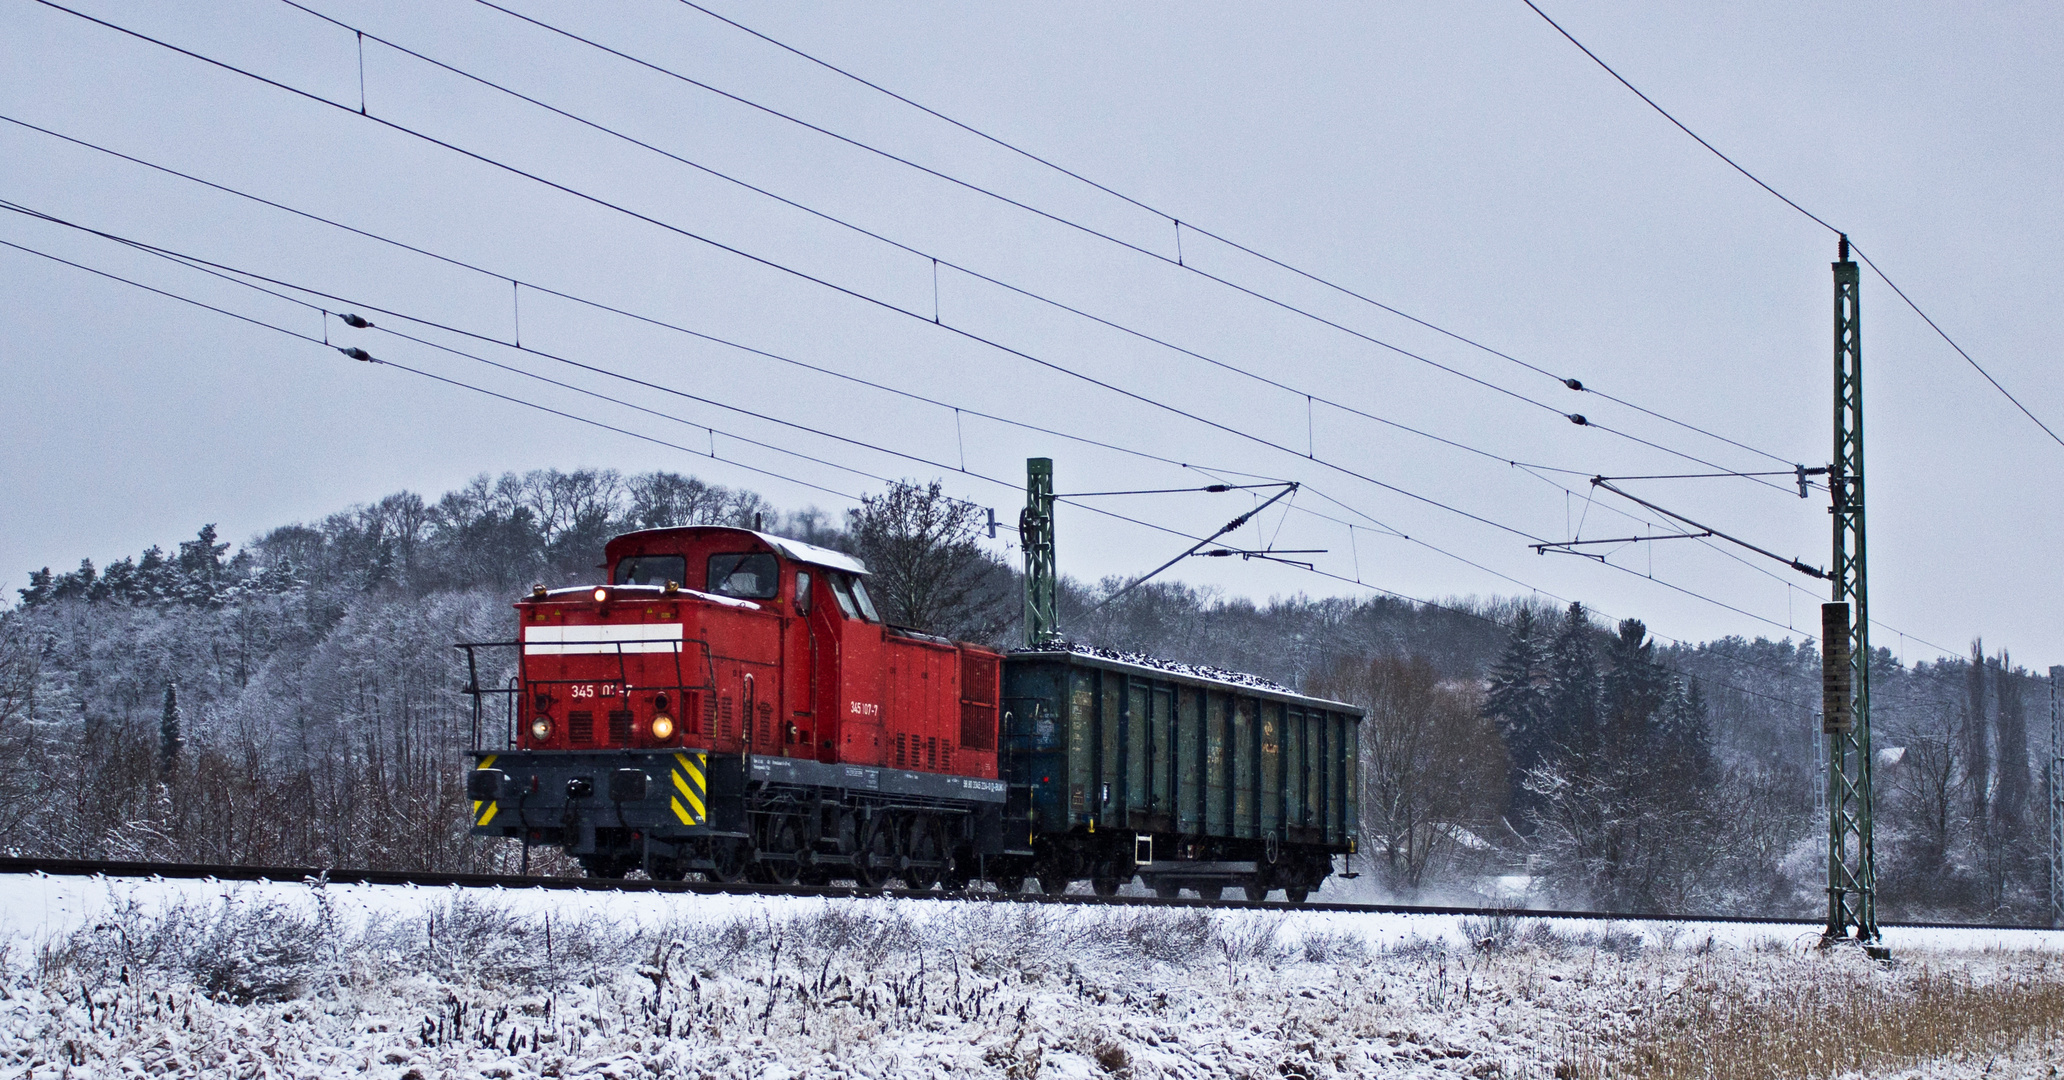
(1433, 767)
(930, 573)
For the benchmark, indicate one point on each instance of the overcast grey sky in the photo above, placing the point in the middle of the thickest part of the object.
(1458, 161)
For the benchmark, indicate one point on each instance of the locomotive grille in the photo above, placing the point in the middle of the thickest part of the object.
(901, 759)
(932, 752)
(580, 727)
(977, 726)
(620, 727)
(978, 702)
(721, 708)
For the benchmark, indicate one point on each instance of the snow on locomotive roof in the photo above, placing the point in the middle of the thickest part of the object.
(811, 553)
(1201, 672)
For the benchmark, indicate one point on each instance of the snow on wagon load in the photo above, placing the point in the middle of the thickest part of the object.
(730, 703)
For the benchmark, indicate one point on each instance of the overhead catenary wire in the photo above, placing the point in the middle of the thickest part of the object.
(927, 461)
(936, 262)
(1437, 549)
(361, 355)
(1816, 218)
(1179, 224)
(805, 276)
(598, 305)
(1105, 513)
(498, 164)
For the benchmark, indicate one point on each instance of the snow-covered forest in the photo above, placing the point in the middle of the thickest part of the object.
(295, 700)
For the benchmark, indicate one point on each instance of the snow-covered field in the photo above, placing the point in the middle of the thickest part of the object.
(123, 977)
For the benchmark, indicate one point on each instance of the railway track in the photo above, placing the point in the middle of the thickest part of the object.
(332, 875)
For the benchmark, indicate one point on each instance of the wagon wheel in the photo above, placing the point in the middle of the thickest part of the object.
(783, 838)
(925, 855)
(875, 861)
(957, 877)
(728, 862)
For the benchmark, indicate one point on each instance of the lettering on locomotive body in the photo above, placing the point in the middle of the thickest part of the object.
(863, 708)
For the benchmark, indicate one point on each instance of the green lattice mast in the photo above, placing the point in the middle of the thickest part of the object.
(1852, 862)
(1036, 534)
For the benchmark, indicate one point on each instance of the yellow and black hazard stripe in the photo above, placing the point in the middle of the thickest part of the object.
(691, 788)
(481, 819)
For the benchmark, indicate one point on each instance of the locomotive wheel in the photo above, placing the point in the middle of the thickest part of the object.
(1298, 895)
(1104, 886)
(1167, 890)
(1053, 884)
(728, 862)
(604, 866)
(1211, 892)
(1256, 891)
(925, 855)
(875, 862)
(783, 839)
(1011, 883)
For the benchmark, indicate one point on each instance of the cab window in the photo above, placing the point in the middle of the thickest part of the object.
(802, 592)
(842, 588)
(866, 602)
(748, 575)
(651, 570)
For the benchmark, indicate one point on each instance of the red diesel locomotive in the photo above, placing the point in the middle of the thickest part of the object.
(790, 733)
(730, 703)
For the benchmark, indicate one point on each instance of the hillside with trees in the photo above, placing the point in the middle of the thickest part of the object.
(296, 701)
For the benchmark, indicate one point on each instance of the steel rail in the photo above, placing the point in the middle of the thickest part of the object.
(422, 879)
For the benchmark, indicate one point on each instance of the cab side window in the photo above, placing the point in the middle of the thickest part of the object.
(802, 592)
(842, 588)
(866, 602)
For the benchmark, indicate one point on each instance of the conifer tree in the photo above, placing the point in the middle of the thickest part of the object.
(1517, 701)
(1573, 692)
(170, 739)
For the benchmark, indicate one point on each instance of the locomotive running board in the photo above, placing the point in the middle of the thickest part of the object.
(805, 773)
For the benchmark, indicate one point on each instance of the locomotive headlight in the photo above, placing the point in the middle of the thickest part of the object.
(541, 728)
(601, 595)
(662, 727)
